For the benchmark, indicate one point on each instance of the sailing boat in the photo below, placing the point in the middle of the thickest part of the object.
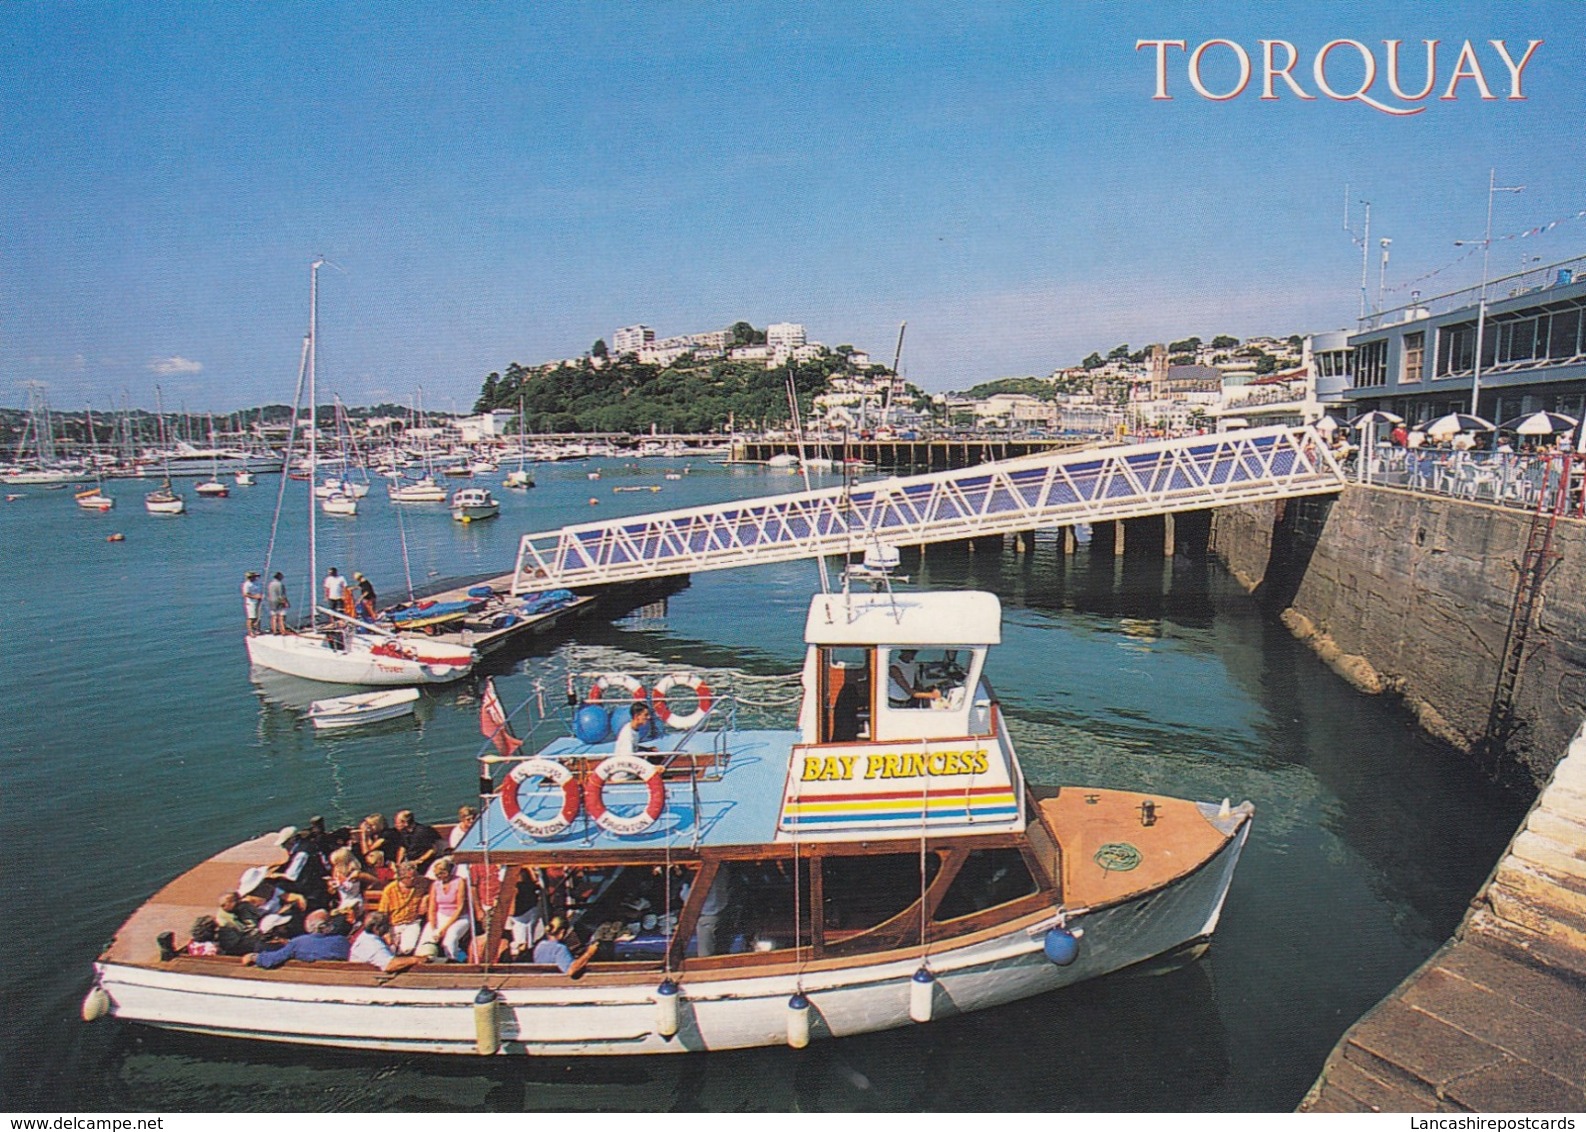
(345, 650)
(162, 500)
(212, 487)
(94, 498)
(520, 479)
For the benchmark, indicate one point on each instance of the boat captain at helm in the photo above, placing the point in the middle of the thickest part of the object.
(903, 676)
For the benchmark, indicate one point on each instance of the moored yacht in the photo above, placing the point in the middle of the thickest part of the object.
(883, 863)
(471, 504)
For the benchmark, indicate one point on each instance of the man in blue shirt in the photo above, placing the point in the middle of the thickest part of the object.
(326, 939)
(553, 950)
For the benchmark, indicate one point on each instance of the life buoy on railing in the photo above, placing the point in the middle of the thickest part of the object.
(666, 714)
(597, 690)
(595, 788)
(553, 772)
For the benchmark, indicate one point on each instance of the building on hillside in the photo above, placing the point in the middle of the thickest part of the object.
(1422, 360)
(629, 339)
(784, 336)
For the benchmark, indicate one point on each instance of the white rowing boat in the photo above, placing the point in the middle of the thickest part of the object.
(365, 707)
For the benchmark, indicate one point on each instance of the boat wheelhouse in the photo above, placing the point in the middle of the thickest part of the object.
(883, 863)
(471, 504)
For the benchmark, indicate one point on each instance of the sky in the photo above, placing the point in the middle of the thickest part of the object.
(498, 183)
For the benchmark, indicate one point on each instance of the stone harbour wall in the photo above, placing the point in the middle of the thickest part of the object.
(1412, 595)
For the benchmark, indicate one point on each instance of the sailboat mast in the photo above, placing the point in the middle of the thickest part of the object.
(313, 448)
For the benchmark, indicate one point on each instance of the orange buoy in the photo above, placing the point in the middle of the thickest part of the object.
(593, 502)
(117, 537)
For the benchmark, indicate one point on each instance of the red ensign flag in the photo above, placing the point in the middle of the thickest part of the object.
(493, 721)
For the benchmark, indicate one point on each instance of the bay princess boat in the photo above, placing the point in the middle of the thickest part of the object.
(880, 865)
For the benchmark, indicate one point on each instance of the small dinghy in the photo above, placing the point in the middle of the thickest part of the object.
(366, 707)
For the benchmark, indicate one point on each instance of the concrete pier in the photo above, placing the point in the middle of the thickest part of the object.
(1496, 1020)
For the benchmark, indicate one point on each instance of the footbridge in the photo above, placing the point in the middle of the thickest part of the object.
(1091, 486)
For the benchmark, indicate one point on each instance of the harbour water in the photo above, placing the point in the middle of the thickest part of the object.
(135, 744)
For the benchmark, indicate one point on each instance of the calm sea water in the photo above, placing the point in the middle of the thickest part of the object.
(135, 744)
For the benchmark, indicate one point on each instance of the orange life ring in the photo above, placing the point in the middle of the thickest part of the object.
(597, 690)
(595, 788)
(666, 715)
(553, 772)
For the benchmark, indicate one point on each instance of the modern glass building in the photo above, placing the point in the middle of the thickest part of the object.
(1518, 345)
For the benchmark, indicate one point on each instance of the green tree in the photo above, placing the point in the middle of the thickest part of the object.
(1187, 346)
(1266, 363)
(1118, 353)
(1224, 342)
(1094, 361)
(487, 395)
(599, 350)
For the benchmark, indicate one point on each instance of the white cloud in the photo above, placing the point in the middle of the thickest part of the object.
(170, 367)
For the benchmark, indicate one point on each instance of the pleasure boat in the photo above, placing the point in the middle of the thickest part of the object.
(471, 504)
(423, 490)
(884, 864)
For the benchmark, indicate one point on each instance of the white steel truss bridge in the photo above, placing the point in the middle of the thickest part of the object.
(1093, 486)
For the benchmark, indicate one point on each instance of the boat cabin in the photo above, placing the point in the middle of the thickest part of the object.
(898, 739)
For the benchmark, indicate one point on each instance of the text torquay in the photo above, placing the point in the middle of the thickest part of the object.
(1346, 70)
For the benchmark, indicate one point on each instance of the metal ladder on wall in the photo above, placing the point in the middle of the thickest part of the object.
(1535, 564)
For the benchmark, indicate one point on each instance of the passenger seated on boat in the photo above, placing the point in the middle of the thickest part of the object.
(304, 872)
(377, 866)
(371, 944)
(553, 950)
(403, 905)
(418, 843)
(466, 817)
(203, 942)
(446, 920)
(373, 834)
(325, 938)
(237, 926)
(903, 690)
(276, 908)
(347, 881)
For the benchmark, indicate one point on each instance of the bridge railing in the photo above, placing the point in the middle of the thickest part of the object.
(1096, 485)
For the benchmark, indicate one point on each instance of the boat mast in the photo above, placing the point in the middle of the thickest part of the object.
(313, 449)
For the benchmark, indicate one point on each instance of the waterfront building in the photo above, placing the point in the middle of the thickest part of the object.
(785, 336)
(1421, 360)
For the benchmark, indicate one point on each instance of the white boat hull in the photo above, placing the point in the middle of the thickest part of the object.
(309, 656)
(355, 711)
(545, 1014)
(165, 506)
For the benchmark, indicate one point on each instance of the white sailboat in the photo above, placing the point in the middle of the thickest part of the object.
(212, 487)
(344, 650)
(163, 500)
(94, 498)
(520, 479)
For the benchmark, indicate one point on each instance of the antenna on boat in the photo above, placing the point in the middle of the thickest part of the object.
(804, 466)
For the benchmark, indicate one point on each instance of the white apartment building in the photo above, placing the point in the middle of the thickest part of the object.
(784, 337)
(628, 339)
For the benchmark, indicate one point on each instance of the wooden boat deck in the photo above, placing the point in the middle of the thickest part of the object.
(195, 893)
(1496, 1020)
(1178, 840)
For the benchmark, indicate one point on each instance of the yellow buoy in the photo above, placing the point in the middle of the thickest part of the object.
(487, 1030)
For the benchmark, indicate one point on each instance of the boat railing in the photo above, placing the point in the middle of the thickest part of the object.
(731, 701)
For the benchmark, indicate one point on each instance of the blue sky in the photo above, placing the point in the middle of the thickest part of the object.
(510, 182)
